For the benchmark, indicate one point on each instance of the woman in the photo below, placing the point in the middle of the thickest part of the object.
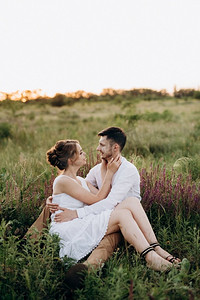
(80, 236)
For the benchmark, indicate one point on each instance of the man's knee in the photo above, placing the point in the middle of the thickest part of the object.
(105, 249)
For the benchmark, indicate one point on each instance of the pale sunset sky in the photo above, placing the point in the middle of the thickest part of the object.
(68, 45)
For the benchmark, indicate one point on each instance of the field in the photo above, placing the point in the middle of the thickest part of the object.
(164, 144)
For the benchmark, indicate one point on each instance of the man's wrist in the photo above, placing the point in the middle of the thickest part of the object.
(75, 214)
(80, 212)
(109, 173)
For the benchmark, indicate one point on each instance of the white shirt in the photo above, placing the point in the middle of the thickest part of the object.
(125, 183)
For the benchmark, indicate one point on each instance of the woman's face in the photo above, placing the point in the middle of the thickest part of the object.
(81, 157)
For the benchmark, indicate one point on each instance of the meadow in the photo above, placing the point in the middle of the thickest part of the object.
(163, 141)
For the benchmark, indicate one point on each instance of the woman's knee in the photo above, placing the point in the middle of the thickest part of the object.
(119, 219)
(132, 200)
(123, 215)
(128, 203)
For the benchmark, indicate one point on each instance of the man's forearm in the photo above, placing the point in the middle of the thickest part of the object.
(66, 215)
(118, 193)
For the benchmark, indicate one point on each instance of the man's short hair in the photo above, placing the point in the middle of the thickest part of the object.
(115, 134)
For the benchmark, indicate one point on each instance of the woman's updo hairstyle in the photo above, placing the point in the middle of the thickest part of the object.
(59, 154)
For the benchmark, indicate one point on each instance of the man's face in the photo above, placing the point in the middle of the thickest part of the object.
(105, 148)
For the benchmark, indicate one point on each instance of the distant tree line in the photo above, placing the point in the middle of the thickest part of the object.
(106, 95)
(186, 93)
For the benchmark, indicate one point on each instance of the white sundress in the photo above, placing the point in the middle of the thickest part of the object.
(79, 236)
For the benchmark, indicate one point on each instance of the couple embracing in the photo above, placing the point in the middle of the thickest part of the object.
(93, 213)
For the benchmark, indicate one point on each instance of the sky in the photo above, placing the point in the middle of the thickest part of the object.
(68, 45)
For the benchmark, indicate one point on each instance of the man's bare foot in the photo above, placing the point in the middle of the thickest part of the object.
(164, 254)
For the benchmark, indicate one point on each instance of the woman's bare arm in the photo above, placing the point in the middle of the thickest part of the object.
(92, 188)
(71, 187)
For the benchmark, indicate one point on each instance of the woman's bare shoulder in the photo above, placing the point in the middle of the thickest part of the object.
(64, 180)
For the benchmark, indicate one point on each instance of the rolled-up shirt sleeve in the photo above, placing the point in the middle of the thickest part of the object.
(127, 180)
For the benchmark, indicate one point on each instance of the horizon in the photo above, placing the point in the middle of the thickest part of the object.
(37, 93)
(64, 46)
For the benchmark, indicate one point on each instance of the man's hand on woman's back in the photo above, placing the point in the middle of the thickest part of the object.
(53, 207)
(64, 216)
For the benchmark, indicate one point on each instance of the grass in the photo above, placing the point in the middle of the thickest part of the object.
(163, 142)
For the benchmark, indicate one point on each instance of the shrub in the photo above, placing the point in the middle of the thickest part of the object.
(196, 132)
(31, 116)
(5, 130)
(184, 93)
(194, 168)
(190, 166)
(156, 116)
(197, 95)
(130, 119)
(58, 100)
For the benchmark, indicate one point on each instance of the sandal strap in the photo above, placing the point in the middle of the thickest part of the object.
(147, 250)
(154, 245)
(172, 259)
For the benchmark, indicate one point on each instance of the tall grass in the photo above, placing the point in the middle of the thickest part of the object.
(174, 194)
(30, 270)
(163, 142)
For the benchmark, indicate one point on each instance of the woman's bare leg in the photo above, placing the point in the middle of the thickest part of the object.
(122, 219)
(139, 215)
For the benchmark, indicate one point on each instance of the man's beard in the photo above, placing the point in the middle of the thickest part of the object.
(106, 156)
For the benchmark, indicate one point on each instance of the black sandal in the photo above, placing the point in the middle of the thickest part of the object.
(147, 250)
(154, 245)
(172, 259)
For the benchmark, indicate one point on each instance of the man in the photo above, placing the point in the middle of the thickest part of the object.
(125, 183)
